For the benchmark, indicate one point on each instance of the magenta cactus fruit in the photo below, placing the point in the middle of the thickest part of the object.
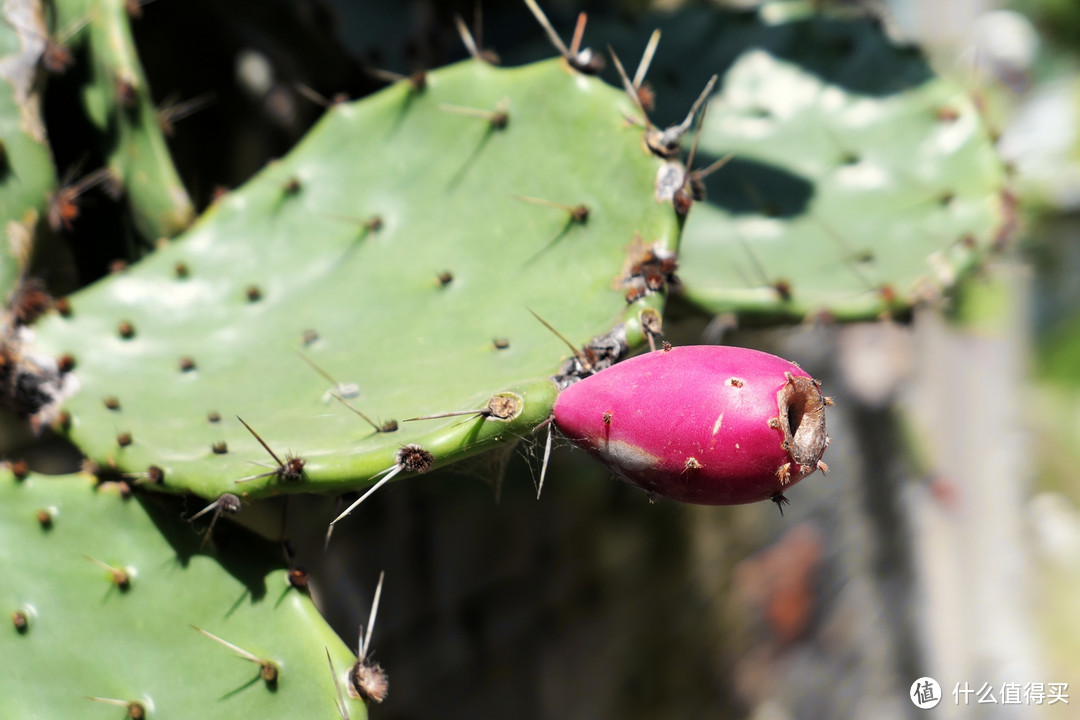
(701, 424)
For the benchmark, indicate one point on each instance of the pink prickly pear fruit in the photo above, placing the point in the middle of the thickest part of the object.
(701, 424)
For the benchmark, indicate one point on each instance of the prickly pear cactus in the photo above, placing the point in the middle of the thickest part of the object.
(118, 103)
(102, 597)
(847, 196)
(393, 259)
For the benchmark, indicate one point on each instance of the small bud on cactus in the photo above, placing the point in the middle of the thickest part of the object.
(701, 424)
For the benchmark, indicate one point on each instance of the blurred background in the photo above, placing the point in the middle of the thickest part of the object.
(944, 543)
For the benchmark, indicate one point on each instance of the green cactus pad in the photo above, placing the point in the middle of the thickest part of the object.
(26, 170)
(844, 198)
(118, 102)
(73, 633)
(394, 250)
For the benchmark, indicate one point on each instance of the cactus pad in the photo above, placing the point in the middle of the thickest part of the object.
(26, 171)
(843, 198)
(399, 248)
(118, 102)
(79, 630)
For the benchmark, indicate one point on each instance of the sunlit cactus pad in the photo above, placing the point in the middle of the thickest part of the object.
(392, 250)
(850, 194)
(73, 633)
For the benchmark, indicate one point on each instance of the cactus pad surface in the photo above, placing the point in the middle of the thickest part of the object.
(26, 170)
(846, 196)
(399, 248)
(76, 630)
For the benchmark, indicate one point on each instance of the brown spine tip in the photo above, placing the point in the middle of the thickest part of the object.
(124, 439)
(682, 201)
(269, 672)
(299, 578)
(415, 459)
(30, 301)
(368, 681)
(948, 114)
(651, 322)
(187, 364)
(503, 407)
(57, 58)
(119, 576)
(126, 93)
(112, 403)
(45, 519)
(220, 448)
(783, 289)
(228, 503)
(126, 330)
(293, 469)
